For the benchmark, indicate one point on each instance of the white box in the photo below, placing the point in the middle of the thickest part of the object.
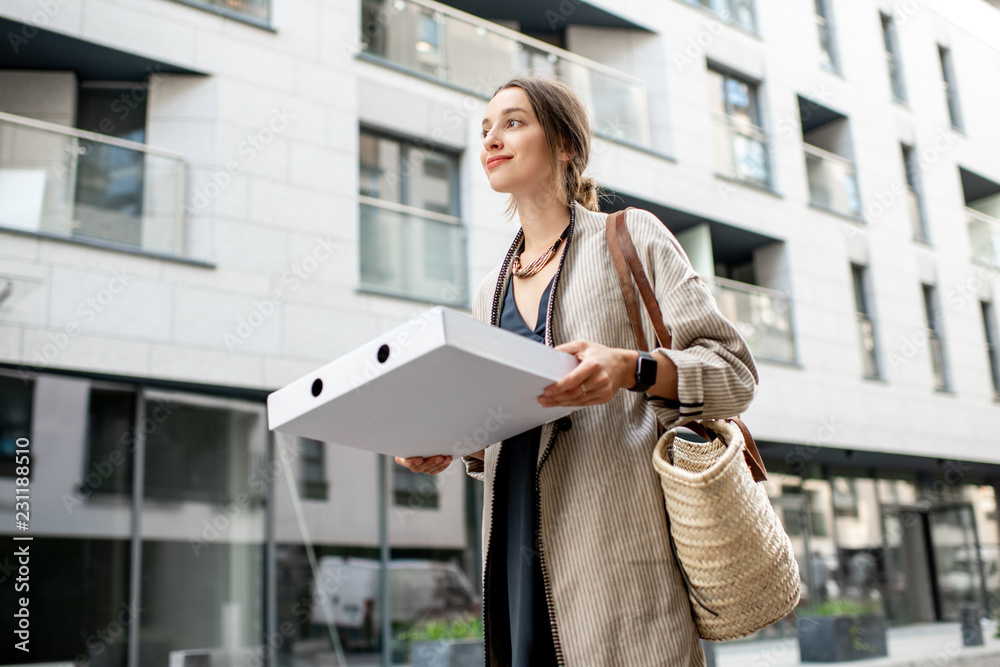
(442, 383)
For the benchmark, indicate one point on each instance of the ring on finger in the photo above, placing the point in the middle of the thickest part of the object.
(584, 388)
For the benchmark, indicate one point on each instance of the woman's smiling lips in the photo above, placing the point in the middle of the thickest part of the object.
(493, 161)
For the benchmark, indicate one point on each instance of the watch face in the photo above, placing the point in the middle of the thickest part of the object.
(646, 374)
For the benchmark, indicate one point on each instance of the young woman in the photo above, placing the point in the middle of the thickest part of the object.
(577, 562)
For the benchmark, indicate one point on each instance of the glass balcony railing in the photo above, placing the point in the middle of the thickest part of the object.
(69, 183)
(984, 234)
(762, 316)
(740, 152)
(833, 184)
(477, 55)
(412, 253)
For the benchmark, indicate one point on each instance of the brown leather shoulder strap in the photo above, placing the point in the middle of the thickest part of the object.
(624, 280)
(751, 454)
(641, 281)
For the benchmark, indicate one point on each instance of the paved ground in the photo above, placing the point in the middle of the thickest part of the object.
(930, 645)
(927, 645)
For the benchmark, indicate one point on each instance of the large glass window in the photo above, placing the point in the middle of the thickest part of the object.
(412, 239)
(827, 42)
(866, 326)
(737, 12)
(914, 198)
(110, 179)
(314, 484)
(992, 353)
(740, 145)
(935, 337)
(202, 556)
(950, 89)
(892, 57)
(15, 418)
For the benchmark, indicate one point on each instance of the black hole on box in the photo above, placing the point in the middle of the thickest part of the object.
(383, 354)
(317, 387)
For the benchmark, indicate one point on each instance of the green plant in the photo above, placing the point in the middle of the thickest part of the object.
(844, 607)
(457, 627)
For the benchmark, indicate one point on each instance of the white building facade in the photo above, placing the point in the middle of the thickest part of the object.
(202, 201)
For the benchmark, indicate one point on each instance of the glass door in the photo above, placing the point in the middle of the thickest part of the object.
(910, 594)
(956, 557)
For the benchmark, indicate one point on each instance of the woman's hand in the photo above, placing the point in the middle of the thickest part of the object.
(431, 465)
(601, 373)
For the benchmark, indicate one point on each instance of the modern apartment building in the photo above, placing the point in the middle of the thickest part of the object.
(201, 201)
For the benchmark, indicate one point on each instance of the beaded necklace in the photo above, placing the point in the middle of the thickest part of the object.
(544, 258)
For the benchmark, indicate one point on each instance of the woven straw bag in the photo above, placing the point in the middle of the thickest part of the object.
(734, 555)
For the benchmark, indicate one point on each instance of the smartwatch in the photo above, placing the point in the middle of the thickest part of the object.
(645, 372)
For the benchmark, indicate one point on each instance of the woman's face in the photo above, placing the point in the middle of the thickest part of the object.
(512, 132)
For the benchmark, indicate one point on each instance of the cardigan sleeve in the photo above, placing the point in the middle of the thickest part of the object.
(716, 373)
(474, 468)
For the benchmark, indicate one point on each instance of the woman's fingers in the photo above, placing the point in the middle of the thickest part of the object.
(431, 465)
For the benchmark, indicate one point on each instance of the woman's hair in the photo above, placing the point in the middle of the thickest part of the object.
(565, 123)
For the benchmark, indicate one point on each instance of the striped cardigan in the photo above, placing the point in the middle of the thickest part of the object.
(615, 594)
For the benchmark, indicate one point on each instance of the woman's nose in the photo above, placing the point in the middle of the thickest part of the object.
(490, 140)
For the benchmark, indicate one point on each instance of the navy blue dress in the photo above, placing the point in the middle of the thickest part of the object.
(515, 548)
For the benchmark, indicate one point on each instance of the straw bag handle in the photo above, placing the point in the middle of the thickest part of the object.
(627, 266)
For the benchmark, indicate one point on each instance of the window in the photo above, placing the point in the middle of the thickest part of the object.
(314, 485)
(414, 490)
(989, 324)
(737, 12)
(201, 452)
(827, 45)
(866, 329)
(253, 11)
(914, 202)
(892, 57)
(110, 441)
(739, 140)
(15, 419)
(934, 337)
(950, 90)
(412, 242)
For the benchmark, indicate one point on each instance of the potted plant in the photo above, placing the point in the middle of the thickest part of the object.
(842, 630)
(455, 641)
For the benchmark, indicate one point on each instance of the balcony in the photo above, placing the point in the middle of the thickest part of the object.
(440, 42)
(833, 184)
(62, 182)
(412, 253)
(740, 151)
(984, 234)
(762, 316)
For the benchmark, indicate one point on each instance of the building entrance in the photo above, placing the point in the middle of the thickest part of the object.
(933, 562)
